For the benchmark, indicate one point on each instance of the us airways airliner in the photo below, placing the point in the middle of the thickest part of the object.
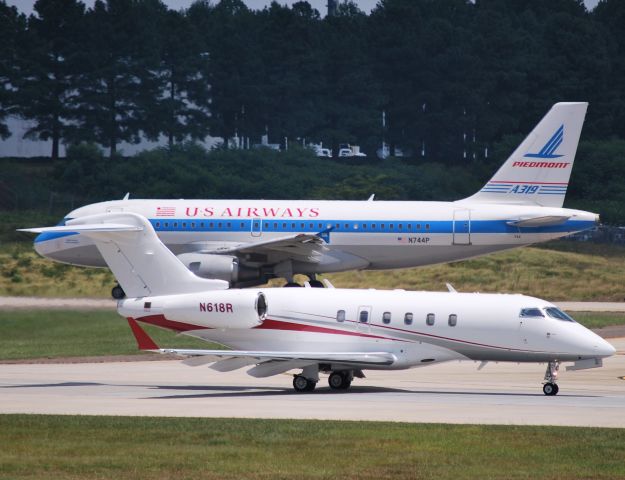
(245, 242)
(334, 331)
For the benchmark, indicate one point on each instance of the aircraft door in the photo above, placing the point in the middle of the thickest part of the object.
(363, 319)
(462, 227)
(257, 227)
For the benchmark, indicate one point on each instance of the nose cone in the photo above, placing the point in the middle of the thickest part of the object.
(604, 349)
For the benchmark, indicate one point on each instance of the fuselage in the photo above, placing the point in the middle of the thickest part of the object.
(418, 328)
(357, 234)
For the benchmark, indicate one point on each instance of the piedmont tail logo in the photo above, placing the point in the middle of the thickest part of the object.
(552, 144)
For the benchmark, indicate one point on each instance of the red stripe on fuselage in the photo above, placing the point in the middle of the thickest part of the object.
(301, 327)
(161, 321)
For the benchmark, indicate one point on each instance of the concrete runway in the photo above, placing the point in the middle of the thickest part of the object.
(449, 393)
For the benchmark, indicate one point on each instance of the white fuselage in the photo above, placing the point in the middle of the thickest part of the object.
(360, 234)
(461, 325)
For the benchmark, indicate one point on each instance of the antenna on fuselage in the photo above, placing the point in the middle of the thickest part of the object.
(371, 198)
(127, 196)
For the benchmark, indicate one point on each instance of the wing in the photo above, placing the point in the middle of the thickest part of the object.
(267, 363)
(303, 247)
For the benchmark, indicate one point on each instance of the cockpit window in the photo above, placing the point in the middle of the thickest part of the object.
(559, 314)
(531, 312)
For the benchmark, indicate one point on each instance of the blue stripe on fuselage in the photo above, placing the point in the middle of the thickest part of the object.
(344, 226)
(353, 226)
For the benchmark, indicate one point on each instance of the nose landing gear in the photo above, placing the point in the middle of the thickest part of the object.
(550, 387)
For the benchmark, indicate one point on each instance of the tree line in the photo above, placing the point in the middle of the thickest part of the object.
(450, 77)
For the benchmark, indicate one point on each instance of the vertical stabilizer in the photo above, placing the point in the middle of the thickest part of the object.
(141, 263)
(538, 171)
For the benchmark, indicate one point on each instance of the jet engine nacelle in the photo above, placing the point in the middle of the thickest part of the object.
(223, 309)
(222, 267)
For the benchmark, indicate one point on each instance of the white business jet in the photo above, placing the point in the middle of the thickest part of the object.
(245, 242)
(336, 331)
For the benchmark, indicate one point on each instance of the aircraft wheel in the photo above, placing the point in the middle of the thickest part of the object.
(292, 284)
(302, 384)
(339, 381)
(118, 292)
(550, 389)
(316, 284)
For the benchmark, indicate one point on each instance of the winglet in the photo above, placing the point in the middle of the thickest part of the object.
(325, 234)
(144, 342)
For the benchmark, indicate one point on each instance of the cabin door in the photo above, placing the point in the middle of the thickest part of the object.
(462, 227)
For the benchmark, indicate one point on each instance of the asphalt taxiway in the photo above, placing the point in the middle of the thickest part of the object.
(455, 392)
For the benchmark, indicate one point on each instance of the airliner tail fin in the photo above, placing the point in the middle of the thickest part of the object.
(538, 171)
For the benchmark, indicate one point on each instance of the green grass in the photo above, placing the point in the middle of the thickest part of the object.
(58, 333)
(75, 447)
(599, 319)
(556, 271)
(591, 273)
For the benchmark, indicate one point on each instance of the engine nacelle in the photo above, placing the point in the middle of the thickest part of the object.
(222, 267)
(223, 309)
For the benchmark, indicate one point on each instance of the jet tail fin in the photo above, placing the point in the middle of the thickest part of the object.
(142, 264)
(538, 171)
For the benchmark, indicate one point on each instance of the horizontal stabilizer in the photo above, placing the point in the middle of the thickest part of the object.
(545, 221)
(141, 263)
(95, 227)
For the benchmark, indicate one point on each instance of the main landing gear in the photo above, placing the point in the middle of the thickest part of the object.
(303, 384)
(338, 380)
(307, 380)
(118, 292)
(550, 387)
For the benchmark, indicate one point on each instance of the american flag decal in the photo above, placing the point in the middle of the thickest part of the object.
(165, 211)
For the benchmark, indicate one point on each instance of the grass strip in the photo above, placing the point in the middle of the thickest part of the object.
(85, 447)
(60, 333)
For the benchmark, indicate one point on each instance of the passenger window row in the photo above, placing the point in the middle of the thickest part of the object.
(430, 319)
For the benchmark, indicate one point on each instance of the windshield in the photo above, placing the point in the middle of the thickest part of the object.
(558, 314)
(531, 312)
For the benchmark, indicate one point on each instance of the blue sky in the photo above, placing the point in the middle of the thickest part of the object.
(26, 6)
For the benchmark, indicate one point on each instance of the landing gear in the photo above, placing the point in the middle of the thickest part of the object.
(316, 284)
(303, 384)
(340, 380)
(550, 387)
(118, 292)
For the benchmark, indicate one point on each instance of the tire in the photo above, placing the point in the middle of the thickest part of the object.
(337, 381)
(291, 284)
(550, 389)
(316, 284)
(301, 384)
(118, 292)
(311, 386)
